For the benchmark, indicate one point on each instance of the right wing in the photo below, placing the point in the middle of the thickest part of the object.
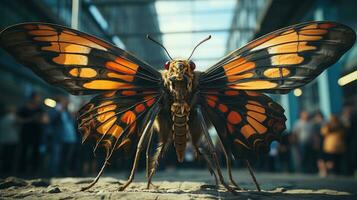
(246, 121)
(282, 60)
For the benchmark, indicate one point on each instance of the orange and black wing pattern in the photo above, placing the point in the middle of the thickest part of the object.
(246, 121)
(75, 61)
(126, 87)
(115, 120)
(282, 60)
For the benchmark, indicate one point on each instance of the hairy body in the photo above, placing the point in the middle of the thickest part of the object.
(178, 81)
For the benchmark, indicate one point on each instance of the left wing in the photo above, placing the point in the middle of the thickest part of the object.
(116, 120)
(128, 90)
(282, 60)
(76, 61)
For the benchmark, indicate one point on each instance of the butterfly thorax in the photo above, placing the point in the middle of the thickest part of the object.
(178, 81)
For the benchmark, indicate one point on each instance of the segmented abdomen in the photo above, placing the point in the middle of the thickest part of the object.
(180, 113)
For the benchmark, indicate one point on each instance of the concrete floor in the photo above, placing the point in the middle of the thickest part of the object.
(184, 184)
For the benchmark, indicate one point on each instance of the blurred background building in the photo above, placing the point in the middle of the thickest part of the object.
(180, 25)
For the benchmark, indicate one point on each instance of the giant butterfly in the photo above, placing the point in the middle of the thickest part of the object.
(135, 103)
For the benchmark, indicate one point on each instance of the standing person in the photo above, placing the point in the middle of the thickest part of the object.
(284, 150)
(9, 138)
(62, 138)
(294, 152)
(317, 139)
(352, 142)
(303, 131)
(348, 119)
(346, 114)
(69, 138)
(55, 139)
(32, 118)
(333, 146)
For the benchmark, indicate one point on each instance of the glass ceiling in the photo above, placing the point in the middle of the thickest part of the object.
(180, 24)
(185, 23)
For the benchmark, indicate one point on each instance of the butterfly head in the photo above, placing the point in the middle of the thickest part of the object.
(178, 76)
(179, 70)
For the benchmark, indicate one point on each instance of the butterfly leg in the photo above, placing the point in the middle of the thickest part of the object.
(229, 170)
(209, 163)
(148, 159)
(153, 162)
(162, 130)
(199, 146)
(98, 176)
(252, 175)
(212, 151)
(140, 147)
(229, 164)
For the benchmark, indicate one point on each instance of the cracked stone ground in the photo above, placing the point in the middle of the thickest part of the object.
(182, 184)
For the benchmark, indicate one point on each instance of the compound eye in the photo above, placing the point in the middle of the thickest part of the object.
(192, 65)
(167, 65)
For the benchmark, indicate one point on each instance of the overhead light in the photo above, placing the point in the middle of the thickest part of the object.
(98, 17)
(348, 78)
(117, 41)
(50, 102)
(297, 92)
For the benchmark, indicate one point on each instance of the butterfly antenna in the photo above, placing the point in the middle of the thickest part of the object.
(158, 43)
(209, 37)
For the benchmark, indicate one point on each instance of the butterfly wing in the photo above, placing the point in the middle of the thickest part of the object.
(115, 120)
(83, 64)
(246, 120)
(73, 60)
(282, 60)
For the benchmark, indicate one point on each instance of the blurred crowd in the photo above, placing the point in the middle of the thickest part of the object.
(43, 141)
(317, 144)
